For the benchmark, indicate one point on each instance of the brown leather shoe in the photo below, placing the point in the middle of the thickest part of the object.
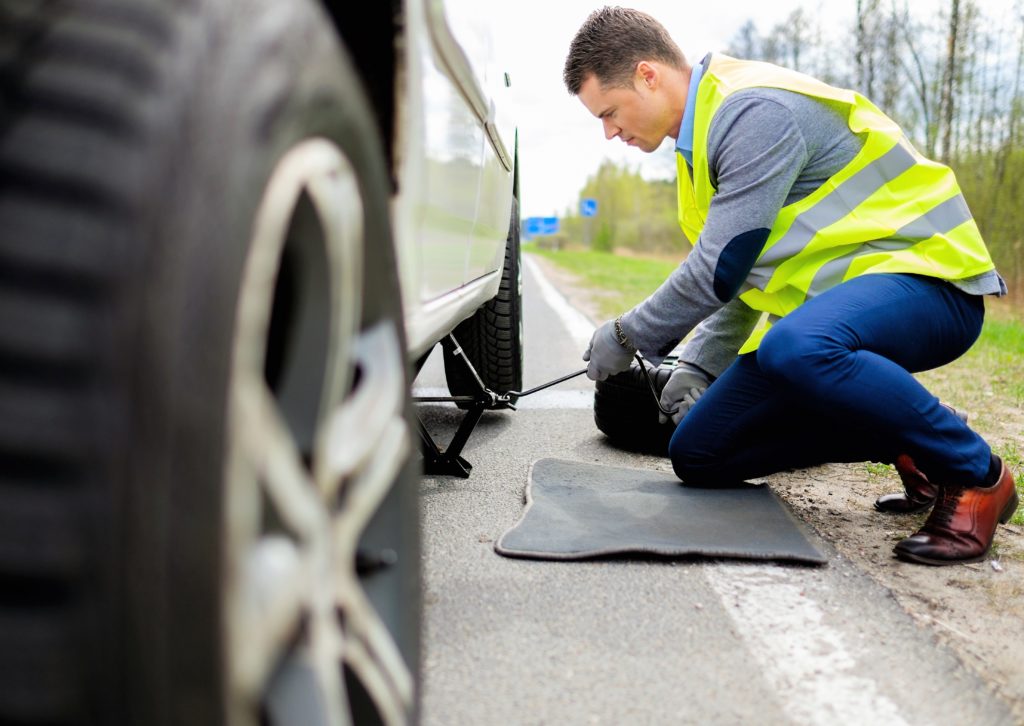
(918, 493)
(963, 523)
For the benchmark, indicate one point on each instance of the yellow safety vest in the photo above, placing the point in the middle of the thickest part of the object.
(889, 210)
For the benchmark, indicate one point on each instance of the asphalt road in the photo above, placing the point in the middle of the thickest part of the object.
(644, 641)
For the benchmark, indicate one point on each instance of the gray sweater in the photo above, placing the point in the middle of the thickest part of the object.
(767, 148)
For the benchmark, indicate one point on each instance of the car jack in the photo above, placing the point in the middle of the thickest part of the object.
(449, 461)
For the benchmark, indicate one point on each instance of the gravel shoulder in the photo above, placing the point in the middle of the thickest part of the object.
(977, 610)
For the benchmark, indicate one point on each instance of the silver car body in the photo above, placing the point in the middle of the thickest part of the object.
(455, 162)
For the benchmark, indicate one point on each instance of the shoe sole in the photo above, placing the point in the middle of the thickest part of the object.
(909, 557)
(1004, 517)
(916, 510)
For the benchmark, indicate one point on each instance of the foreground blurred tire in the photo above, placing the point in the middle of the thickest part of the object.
(207, 491)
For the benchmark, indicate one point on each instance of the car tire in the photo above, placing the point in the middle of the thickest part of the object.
(492, 338)
(208, 490)
(627, 413)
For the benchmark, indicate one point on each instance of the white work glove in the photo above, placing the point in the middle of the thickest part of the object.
(684, 388)
(606, 355)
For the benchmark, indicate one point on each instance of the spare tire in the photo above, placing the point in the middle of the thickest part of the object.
(627, 413)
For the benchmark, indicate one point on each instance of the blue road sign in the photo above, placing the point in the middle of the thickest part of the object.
(588, 207)
(539, 226)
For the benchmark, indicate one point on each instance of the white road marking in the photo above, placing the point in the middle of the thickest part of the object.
(806, 660)
(578, 325)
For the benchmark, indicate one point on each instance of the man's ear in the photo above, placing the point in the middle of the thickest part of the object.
(647, 74)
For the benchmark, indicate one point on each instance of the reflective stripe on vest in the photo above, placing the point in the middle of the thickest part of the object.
(889, 210)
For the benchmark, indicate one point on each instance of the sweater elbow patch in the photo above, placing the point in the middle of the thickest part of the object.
(735, 261)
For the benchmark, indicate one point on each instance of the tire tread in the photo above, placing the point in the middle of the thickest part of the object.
(625, 410)
(490, 338)
(75, 84)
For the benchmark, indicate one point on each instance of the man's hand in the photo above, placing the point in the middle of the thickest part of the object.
(606, 355)
(684, 388)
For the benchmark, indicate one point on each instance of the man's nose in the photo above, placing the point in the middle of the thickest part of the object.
(610, 129)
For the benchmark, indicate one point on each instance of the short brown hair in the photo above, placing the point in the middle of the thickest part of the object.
(611, 42)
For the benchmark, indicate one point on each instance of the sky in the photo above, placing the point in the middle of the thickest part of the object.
(560, 143)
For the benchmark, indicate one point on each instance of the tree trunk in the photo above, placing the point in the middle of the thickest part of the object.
(949, 80)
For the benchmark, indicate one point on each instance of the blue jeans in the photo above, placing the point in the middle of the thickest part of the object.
(831, 382)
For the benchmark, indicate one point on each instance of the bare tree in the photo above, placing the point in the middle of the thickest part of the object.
(746, 43)
(773, 46)
(865, 40)
(892, 49)
(795, 32)
(918, 77)
(949, 77)
(1013, 138)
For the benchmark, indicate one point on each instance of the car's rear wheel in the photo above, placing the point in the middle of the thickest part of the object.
(492, 338)
(208, 505)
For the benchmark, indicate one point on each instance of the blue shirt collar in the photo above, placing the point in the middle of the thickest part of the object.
(684, 143)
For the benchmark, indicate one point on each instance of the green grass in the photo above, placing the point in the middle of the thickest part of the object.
(1000, 352)
(878, 469)
(1011, 455)
(623, 281)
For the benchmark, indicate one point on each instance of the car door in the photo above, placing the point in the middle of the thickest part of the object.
(465, 36)
(453, 139)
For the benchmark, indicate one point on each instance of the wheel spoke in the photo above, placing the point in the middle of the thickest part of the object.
(353, 436)
(326, 653)
(286, 481)
(363, 449)
(279, 574)
(339, 204)
(366, 490)
(269, 610)
(372, 654)
(370, 649)
(361, 659)
(267, 572)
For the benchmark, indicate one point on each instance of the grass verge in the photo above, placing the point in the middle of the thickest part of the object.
(625, 281)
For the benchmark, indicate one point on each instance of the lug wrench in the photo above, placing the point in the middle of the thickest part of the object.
(541, 387)
(650, 385)
(643, 368)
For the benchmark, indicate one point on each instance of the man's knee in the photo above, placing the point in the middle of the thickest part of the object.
(788, 353)
(691, 464)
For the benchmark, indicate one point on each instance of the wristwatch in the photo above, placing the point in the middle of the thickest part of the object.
(621, 336)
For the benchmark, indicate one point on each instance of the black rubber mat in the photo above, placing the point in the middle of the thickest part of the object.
(576, 510)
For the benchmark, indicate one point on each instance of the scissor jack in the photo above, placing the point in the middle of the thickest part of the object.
(449, 461)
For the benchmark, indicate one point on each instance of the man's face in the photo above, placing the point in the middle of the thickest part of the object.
(636, 115)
